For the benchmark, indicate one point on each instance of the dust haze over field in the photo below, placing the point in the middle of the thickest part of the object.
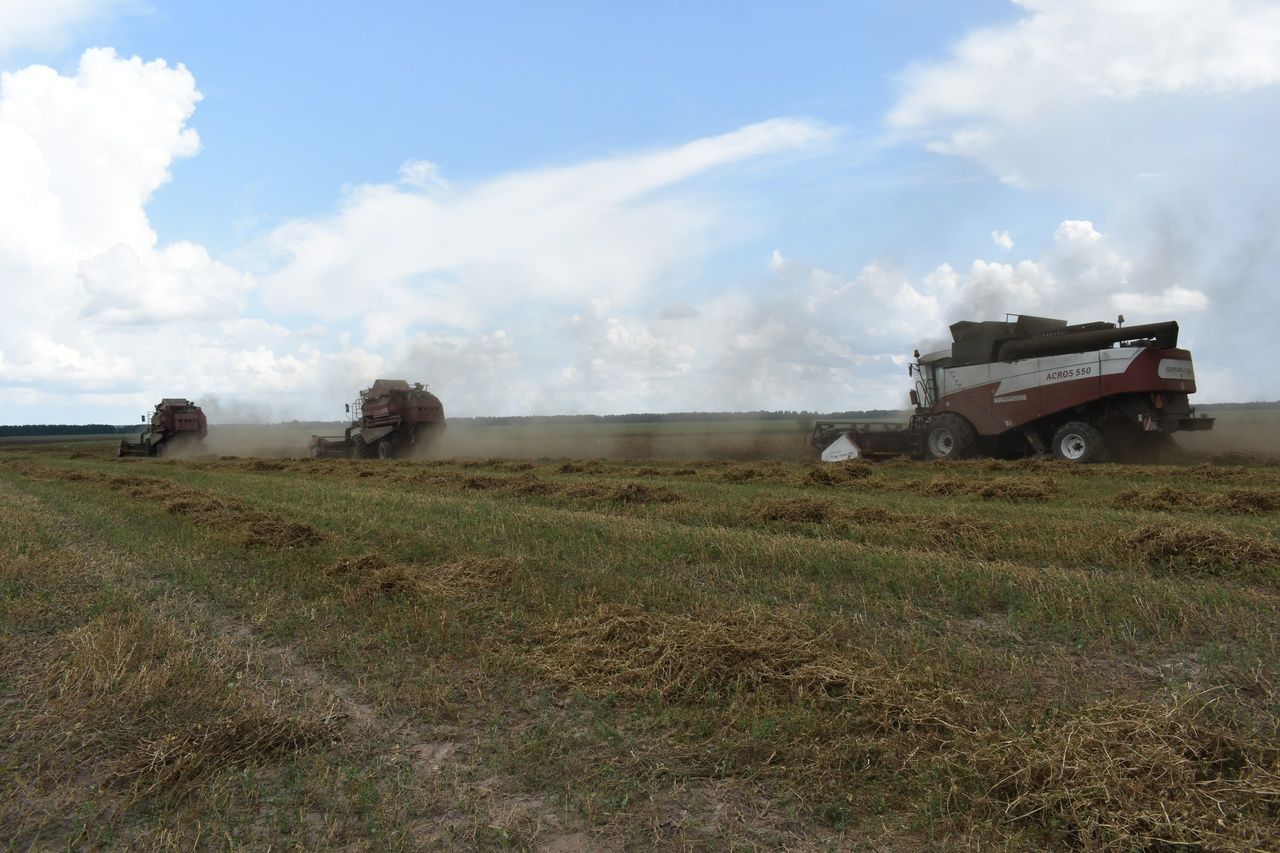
(753, 440)
(780, 440)
(1230, 435)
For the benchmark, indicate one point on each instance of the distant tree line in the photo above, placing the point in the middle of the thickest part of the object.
(8, 431)
(1237, 407)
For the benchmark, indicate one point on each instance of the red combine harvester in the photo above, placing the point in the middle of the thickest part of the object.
(175, 424)
(1035, 385)
(392, 419)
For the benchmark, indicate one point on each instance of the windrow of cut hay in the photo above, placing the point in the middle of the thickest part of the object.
(1232, 501)
(1182, 548)
(1150, 775)
(531, 484)
(373, 575)
(1002, 488)
(802, 509)
(262, 529)
(1111, 775)
(837, 473)
(133, 703)
(948, 532)
(628, 651)
(763, 472)
(252, 527)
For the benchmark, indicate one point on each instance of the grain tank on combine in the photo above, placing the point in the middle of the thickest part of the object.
(390, 419)
(176, 423)
(1037, 385)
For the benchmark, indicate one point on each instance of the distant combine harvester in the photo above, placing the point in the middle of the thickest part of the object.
(390, 419)
(176, 424)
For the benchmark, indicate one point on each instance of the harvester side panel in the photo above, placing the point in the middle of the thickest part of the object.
(1001, 396)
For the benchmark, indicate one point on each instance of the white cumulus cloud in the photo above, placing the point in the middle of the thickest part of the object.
(45, 23)
(1093, 93)
(471, 288)
(1064, 50)
(615, 227)
(81, 155)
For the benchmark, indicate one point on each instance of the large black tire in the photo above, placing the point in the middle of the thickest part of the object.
(1077, 441)
(949, 436)
(386, 449)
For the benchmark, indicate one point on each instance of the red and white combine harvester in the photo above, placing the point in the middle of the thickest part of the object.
(1035, 385)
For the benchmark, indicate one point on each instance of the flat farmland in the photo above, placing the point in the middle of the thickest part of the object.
(634, 653)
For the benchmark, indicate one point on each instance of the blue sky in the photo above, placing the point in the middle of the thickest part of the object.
(589, 207)
(297, 105)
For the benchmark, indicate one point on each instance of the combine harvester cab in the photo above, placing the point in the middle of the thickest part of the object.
(392, 419)
(1039, 385)
(176, 424)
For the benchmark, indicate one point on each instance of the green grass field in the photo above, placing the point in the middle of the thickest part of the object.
(634, 653)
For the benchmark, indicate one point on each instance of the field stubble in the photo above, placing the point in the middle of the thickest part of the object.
(666, 653)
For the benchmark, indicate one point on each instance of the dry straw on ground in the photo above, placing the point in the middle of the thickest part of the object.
(1231, 501)
(252, 527)
(589, 466)
(1004, 488)
(747, 472)
(372, 574)
(1138, 776)
(629, 651)
(794, 509)
(1113, 775)
(624, 493)
(140, 706)
(1178, 547)
(836, 474)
